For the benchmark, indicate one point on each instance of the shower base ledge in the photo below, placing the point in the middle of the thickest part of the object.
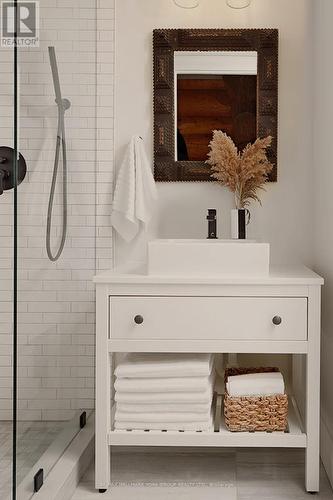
(61, 482)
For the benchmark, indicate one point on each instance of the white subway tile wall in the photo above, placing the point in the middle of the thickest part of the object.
(56, 300)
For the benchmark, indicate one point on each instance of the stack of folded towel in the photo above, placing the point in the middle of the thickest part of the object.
(256, 384)
(164, 392)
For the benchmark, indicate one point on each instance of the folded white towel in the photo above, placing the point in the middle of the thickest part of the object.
(165, 397)
(256, 384)
(164, 407)
(135, 192)
(162, 417)
(164, 365)
(176, 384)
(165, 426)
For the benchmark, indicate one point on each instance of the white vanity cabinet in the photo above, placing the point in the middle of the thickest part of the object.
(278, 313)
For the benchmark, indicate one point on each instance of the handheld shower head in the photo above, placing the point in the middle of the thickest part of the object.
(60, 151)
(64, 103)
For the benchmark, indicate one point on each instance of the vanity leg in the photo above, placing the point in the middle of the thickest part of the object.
(103, 392)
(313, 392)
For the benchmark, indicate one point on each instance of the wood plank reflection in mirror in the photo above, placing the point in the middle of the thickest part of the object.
(214, 102)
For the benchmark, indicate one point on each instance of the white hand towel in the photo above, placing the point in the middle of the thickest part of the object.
(256, 384)
(165, 397)
(164, 365)
(164, 407)
(135, 192)
(165, 426)
(186, 384)
(162, 417)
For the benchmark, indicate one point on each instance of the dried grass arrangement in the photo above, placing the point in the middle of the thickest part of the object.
(244, 173)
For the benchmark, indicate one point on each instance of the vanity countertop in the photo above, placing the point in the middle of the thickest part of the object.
(280, 275)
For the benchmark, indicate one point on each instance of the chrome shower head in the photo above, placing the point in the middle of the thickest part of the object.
(64, 103)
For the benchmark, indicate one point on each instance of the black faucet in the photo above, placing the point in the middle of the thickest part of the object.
(211, 217)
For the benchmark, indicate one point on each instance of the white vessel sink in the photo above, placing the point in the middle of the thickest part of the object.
(208, 257)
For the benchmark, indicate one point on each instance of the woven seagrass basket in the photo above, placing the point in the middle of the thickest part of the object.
(259, 413)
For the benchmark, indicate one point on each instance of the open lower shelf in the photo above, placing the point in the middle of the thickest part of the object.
(294, 437)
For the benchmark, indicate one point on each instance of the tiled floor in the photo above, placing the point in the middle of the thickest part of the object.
(33, 438)
(229, 475)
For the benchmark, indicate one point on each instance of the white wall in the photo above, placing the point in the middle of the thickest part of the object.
(56, 324)
(323, 228)
(285, 218)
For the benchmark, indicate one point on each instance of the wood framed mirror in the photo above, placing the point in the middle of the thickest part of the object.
(208, 79)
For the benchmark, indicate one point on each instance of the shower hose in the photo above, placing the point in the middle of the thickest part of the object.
(60, 147)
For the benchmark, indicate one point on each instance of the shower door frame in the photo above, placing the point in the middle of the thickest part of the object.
(15, 252)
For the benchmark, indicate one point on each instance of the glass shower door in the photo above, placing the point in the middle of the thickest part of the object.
(47, 235)
(11, 173)
(56, 210)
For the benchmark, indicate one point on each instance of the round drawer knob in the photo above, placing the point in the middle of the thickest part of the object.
(277, 320)
(138, 319)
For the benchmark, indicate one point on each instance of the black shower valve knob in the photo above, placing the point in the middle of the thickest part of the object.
(7, 169)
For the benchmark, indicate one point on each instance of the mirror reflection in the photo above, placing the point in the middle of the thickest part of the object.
(214, 91)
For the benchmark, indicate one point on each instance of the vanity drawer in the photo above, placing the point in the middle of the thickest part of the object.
(159, 318)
